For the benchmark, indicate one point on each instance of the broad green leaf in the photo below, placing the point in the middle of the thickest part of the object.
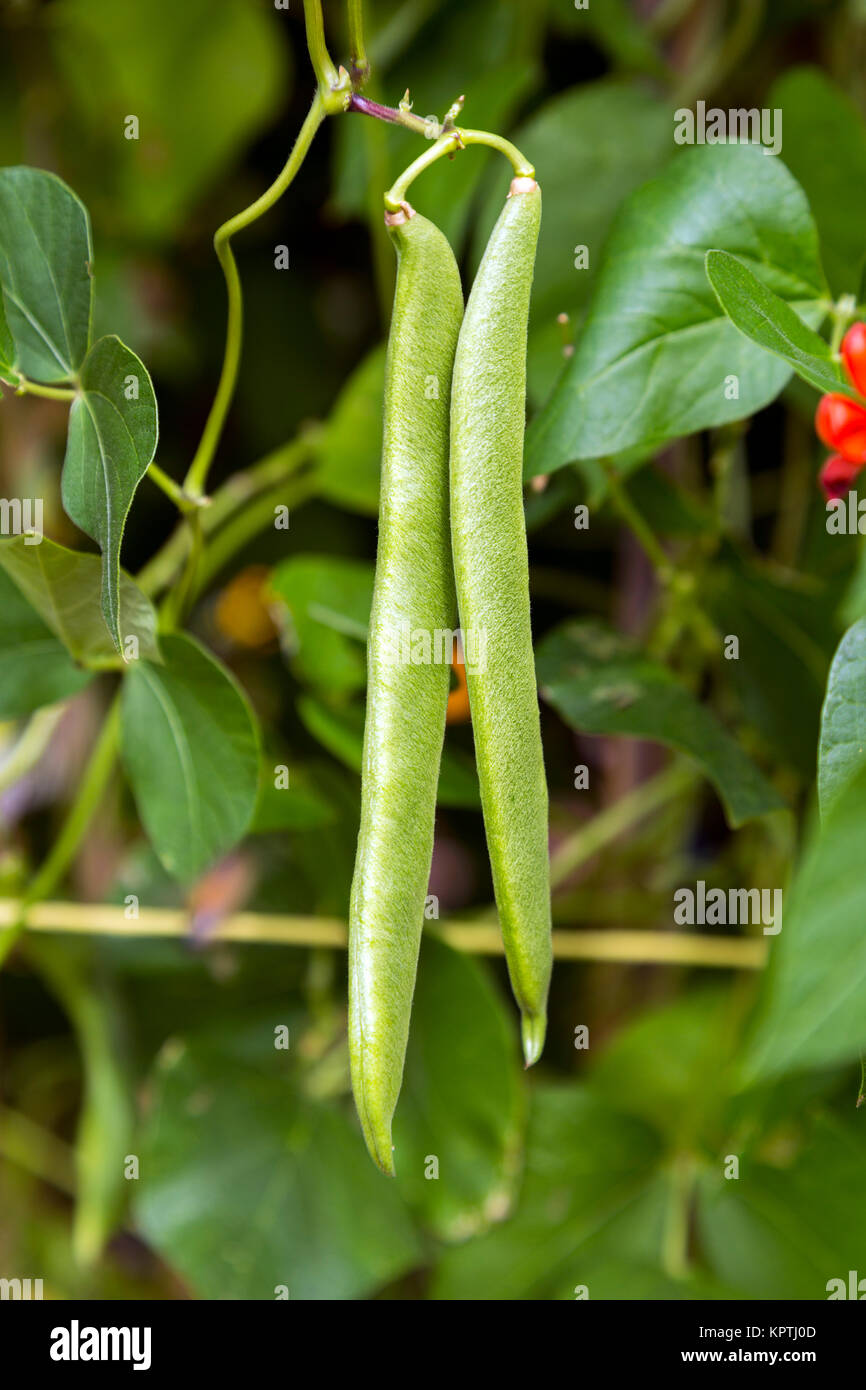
(812, 1012)
(461, 1099)
(111, 442)
(586, 1166)
(64, 588)
(825, 149)
(657, 356)
(7, 347)
(324, 608)
(341, 731)
(601, 684)
(772, 323)
(190, 749)
(45, 273)
(842, 750)
(784, 1231)
(351, 449)
(35, 668)
(248, 1186)
(202, 80)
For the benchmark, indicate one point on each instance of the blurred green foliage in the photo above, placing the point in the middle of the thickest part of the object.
(612, 1168)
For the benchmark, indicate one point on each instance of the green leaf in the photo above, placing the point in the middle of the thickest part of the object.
(247, 1186)
(772, 323)
(45, 264)
(842, 750)
(35, 668)
(812, 1011)
(601, 684)
(341, 731)
(7, 347)
(64, 586)
(461, 1099)
(351, 449)
(783, 1231)
(656, 353)
(324, 607)
(194, 116)
(825, 149)
(585, 1167)
(190, 749)
(112, 440)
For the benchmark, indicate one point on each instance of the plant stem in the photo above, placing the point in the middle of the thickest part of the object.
(478, 938)
(609, 824)
(36, 1150)
(675, 1239)
(172, 490)
(394, 115)
(196, 478)
(636, 524)
(239, 490)
(30, 747)
(358, 54)
(90, 792)
(452, 139)
(23, 387)
(248, 523)
(323, 67)
(179, 600)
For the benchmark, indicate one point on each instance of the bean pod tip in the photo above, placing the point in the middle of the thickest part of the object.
(532, 1028)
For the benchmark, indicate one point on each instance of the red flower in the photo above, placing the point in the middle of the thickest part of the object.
(837, 476)
(854, 355)
(841, 424)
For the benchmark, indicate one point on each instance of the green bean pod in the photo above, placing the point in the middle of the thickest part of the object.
(488, 405)
(405, 723)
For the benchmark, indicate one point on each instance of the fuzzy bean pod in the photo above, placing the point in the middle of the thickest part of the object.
(406, 702)
(488, 404)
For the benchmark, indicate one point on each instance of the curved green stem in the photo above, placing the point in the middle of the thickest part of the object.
(326, 73)
(196, 478)
(250, 522)
(453, 139)
(89, 795)
(179, 601)
(23, 387)
(238, 492)
(615, 820)
(173, 491)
